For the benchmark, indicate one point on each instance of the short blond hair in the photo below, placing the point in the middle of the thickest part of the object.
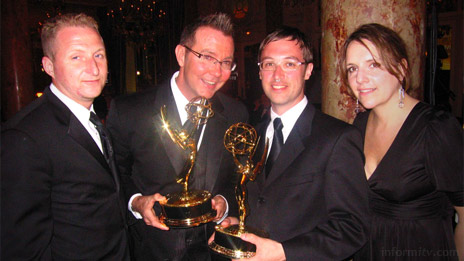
(52, 26)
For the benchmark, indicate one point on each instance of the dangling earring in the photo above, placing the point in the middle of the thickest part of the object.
(401, 97)
(357, 109)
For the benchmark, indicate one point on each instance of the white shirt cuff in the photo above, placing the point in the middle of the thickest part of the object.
(225, 213)
(129, 206)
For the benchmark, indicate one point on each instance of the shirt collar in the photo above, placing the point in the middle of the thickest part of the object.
(290, 117)
(81, 112)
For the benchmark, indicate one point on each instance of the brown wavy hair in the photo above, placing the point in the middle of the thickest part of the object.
(390, 47)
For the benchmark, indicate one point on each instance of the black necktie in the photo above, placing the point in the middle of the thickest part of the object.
(277, 144)
(106, 146)
(104, 137)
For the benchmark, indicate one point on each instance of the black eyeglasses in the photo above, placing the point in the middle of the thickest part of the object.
(210, 60)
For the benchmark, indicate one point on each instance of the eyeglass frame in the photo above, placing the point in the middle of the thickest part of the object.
(298, 63)
(199, 55)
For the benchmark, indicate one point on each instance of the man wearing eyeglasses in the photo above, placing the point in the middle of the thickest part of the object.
(312, 196)
(149, 161)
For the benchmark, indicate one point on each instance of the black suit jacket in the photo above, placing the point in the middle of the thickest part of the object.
(60, 200)
(314, 200)
(149, 162)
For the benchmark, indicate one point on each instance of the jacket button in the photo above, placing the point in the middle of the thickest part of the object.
(261, 200)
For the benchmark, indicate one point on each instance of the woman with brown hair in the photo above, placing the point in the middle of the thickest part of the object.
(413, 154)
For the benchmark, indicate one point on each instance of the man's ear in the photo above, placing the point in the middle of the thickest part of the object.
(180, 55)
(47, 64)
(309, 70)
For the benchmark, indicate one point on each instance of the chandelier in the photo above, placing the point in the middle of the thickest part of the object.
(139, 21)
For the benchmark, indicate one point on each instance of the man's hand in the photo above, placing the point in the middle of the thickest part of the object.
(144, 205)
(266, 249)
(228, 221)
(219, 204)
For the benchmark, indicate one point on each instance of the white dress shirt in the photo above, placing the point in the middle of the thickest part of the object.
(81, 113)
(181, 102)
(289, 119)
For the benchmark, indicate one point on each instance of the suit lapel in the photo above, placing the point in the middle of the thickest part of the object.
(77, 132)
(211, 145)
(211, 154)
(82, 137)
(175, 154)
(261, 129)
(296, 143)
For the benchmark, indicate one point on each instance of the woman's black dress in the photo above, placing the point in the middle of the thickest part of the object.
(414, 187)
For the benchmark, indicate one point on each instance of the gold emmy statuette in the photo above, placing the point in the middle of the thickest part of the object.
(241, 140)
(188, 208)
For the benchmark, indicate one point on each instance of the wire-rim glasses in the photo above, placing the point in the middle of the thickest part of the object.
(287, 65)
(208, 59)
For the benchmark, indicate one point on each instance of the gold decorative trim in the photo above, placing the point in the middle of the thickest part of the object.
(230, 253)
(189, 222)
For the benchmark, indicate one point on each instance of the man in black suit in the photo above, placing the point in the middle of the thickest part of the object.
(149, 160)
(312, 200)
(60, 194)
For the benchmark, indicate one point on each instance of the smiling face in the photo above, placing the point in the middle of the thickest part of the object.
(284, 88)
(197, 78)
(370, 82)
(79, 68)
